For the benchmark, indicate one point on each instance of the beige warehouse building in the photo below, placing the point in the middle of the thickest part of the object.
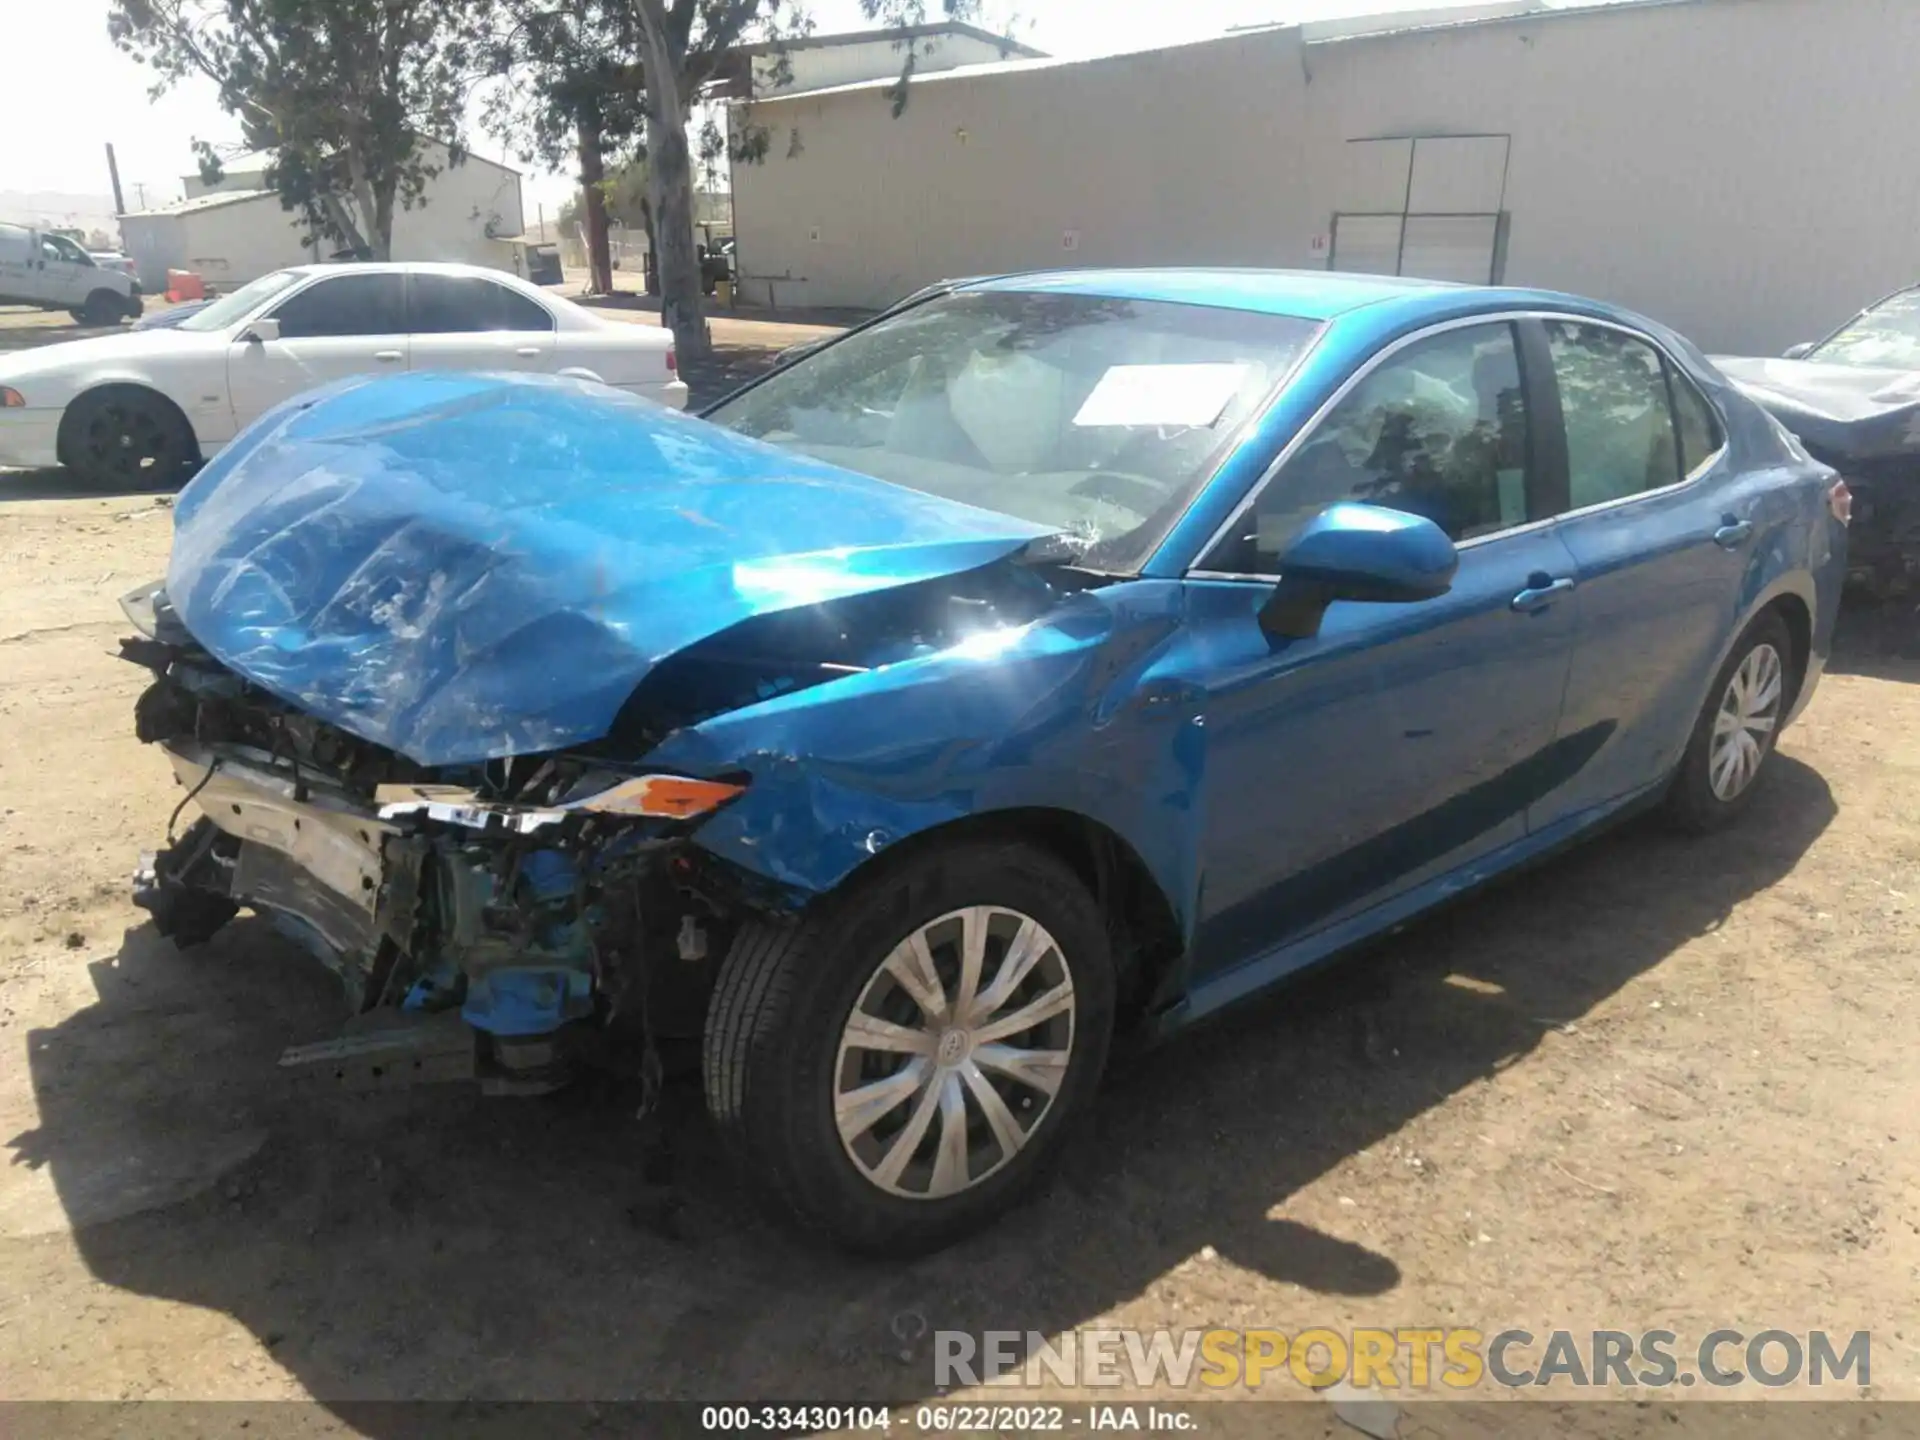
(1737, 168)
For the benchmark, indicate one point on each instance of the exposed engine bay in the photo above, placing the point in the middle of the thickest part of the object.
(508, 919)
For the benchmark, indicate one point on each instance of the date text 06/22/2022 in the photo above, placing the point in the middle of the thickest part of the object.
(946, 1419)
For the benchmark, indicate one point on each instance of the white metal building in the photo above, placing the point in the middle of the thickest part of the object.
(819, 62)
(1737, 168)
(234, 230)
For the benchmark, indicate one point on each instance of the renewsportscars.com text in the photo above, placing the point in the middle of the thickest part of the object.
(1448, 1359)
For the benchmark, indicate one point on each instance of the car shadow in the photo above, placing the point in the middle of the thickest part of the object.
(1878, 638)
(434, 1244)
(59, 483)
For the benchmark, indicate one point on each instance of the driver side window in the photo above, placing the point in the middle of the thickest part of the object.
(1440, 429)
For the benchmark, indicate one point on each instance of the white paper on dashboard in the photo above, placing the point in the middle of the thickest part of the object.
(1161, 395)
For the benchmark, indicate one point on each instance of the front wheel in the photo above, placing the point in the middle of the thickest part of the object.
(901, 1067)
(124, 435)
(102, 307)
(1737, 730)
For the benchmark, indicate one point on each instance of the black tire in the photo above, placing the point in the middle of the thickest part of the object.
(132, 307)
(1692, 802)
(785, 992)
(103, 307)
(123, 435)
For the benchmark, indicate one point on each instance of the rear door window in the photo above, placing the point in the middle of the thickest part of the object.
(1621, 439)
(468, 304)
(1700, 432)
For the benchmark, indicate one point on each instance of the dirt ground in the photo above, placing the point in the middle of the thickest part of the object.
(1657, 1084)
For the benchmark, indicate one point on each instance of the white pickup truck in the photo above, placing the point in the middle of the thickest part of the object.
(55, 273)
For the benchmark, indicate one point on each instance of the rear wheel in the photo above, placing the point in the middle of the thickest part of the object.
(1737, 730)
(127, 436)
(902, 1067)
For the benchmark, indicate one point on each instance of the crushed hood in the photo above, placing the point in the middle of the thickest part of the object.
(460, 567)
(1849, 412)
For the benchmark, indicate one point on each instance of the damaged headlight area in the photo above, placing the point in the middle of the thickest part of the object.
(502, 920)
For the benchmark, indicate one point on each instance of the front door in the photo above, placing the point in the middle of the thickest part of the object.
(353, 323)
(1402, 741)
(467, 322)
(67, 274)
(1661, 546)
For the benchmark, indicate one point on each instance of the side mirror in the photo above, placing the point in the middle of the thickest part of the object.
(1357, 552)
(1800, 351)
(264, 329)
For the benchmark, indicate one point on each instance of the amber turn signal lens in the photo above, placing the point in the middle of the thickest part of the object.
(12, 399)
(667, 797)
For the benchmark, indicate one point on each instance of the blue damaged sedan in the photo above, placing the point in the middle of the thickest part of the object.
(1054, 658)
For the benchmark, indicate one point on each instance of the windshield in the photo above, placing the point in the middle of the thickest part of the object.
(1097, 416)
(241, 303)
(1887, 335)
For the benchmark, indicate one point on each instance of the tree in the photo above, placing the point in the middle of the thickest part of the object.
(344, 92)
(657, 58)
(568, 89)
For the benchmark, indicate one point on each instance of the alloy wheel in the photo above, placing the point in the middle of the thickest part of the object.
(126, 442)
(952, 1055)
(1744, 724)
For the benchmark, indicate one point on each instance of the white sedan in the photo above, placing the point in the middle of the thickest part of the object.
(144, 406)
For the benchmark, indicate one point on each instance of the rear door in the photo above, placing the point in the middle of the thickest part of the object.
(353, 323)
(20, 264)
(1661, 533)
(467, 322)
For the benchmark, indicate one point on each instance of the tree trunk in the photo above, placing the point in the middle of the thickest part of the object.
(592, 173)
(376, 237)
(670, 178)
(380, 238)
(653, 253)
(341, 216)
(670, 187)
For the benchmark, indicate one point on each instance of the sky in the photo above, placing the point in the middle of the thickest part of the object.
(65, 91)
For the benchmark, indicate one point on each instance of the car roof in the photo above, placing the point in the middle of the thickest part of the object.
(433, 267)
(1306, 294)
(1319, 295)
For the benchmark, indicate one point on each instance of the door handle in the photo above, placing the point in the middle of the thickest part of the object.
(530, 351)
(1539, 594)
(389, 355)
(1733, 534)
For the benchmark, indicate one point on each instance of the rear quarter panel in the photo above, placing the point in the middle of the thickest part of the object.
(1799, 550)
(624, 356)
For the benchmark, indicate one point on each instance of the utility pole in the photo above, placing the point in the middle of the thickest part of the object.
(140, 190)
(113, 169)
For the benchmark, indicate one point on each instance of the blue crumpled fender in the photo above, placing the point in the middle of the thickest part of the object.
(1062, 713)
(464, 566)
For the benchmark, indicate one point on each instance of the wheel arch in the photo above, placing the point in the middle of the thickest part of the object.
(1142, 921)
(1798, 615)
(105, 384)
